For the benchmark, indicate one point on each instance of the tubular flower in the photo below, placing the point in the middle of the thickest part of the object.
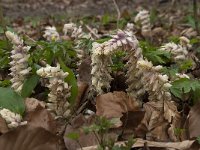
(12, 119)
(189, 32)
(155, 83)
(59, 90)
(144, 18)
(130, 27)
(51, 34)
(101, 59)
(101, 77)
(178, 53)
(19, 64)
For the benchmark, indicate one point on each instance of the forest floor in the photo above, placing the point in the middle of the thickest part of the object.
(104, 58)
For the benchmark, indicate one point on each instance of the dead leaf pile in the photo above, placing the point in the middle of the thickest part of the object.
(160, 120)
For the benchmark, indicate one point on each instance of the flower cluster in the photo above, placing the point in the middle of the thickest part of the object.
(144, 18)
(101, 58)
(77, 34)
(156, 84)
(101, 77)
(51, 34)
(189, 32)
(19, 64)
(13, 120)
(59, 90)
(74, 31)
(179, 52)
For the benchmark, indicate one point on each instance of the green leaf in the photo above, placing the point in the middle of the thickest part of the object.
(29, 85)
(73, 136)
(185, 65)
(183, 86)
(71, 79)
(9, 99)
(5, 83)
(102, 40)
(153, 54)
(1, 30)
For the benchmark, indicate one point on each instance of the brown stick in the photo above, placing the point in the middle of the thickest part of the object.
(195, 15)
(118, 12)
(140, 143)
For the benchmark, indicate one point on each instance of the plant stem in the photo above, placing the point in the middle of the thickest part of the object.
(195, 15)
(79, 144)
(118, 12)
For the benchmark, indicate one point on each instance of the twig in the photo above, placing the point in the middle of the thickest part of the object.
(140, 143)
(195, 15)
(92, 31)
(118, 12)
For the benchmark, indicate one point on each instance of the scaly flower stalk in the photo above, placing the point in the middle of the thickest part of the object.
(51, 34)
(155, 83)
(101, 77)
(144, 18)
(101, 59)
(179, 52)
(13, 120)
(19, 64)
(59, 90)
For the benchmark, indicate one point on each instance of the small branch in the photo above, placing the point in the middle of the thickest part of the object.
(140, 143)
(118, 12)
(92, 31)
(195, 15)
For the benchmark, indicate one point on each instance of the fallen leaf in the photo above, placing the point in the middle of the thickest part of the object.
(3, 126)
(29, 138)
(76, 127)
(194, 121)
(82, 88)
(113, 105)
(184, 145)
(130, 121)
(42, 118)
(84, 70)
(31, 104)
(160, 121)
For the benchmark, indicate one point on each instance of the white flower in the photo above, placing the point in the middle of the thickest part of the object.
(163, 78)
(68, 27)
(14, 38)
(51, 34)
(12, 119)
(145, 64)
(19, 63)
(59, 89)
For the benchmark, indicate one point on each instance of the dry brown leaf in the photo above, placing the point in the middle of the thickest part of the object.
(113, 105)
(29, 138)
(130, 121)
(31, 104)
(194, 121)
(82, 88)
(84, 70)
(160, 121)
(42, 118)
(184, 145)
(3, 126)
(76, 127)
